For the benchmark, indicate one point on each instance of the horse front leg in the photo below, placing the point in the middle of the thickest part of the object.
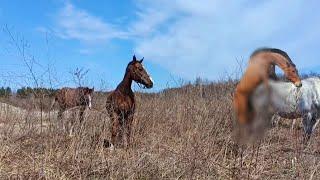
(122, 129)
(309, 121)
(81, 114)
(115, 129)
(81, 118)
(60, 118)
(60, 114)
(268, 91)
(128, 129)
(316, 124)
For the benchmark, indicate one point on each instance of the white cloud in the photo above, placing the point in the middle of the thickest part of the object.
(85, 51)
(74, 23)
(205, 37)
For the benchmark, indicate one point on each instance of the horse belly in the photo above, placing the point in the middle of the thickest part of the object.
(125, 107)
(289, 115)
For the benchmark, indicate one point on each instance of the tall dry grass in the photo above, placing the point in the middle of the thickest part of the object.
(182, 133)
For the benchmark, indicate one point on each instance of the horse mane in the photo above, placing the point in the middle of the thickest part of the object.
(272, 50)
(130, 63)
(82, 88)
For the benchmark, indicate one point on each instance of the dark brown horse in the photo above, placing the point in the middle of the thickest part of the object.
(121, 103)
(68, 98)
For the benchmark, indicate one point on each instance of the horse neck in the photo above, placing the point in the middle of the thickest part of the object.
(125, 85)
(280, 96)
(284, 91)
(280, 61)
(280, 86)
(78, 94)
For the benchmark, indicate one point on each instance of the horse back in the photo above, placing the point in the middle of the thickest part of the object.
(67, 97)
(312, 86)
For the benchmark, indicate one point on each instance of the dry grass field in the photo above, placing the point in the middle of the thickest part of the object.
(182, 133)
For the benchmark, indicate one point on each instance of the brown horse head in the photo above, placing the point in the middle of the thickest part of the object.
(138, 73)
(85, 95)
(292, 74)
(281, 59)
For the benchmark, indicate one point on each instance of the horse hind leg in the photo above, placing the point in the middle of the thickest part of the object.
(241, 104)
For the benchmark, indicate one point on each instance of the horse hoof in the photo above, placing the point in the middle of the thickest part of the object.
(108, 145)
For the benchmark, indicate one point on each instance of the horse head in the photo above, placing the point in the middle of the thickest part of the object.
(86, 96)
(292, 74)
(138, 73)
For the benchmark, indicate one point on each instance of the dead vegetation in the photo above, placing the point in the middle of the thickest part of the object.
(182, 133)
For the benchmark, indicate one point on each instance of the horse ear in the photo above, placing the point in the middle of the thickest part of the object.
(134, 58)
(141, 60)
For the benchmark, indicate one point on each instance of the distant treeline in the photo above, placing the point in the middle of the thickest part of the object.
(5, 92)
(26, 92)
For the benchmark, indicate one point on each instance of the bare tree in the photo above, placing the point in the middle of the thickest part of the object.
(79, 75)
(36, 73)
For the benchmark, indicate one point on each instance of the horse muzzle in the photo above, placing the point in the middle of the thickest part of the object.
(298, 84)
(149, 86)
(148, 83)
